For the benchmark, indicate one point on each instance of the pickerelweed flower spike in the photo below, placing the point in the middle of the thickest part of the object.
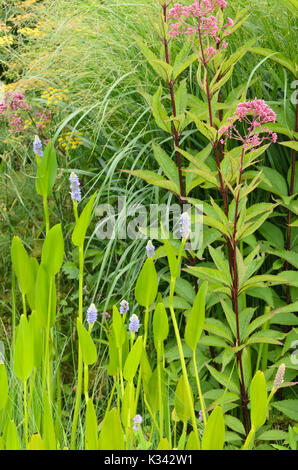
(150, 248)
(134, 323)
(185, 225)
(37, 146)
(124, 306)
(137, 421)
(279, 378)
(75, 187)
(91, 314)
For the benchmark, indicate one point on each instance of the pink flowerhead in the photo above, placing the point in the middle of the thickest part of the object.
(200, 19)
(254, 113)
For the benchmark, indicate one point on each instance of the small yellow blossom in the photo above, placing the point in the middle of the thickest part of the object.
(70, 139)
(33, 32)
(6, 40)
(54, 95)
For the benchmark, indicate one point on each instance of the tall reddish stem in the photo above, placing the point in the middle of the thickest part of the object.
(231, 244)
(171, 88)
(291, 192)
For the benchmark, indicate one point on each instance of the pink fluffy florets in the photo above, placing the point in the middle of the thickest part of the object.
(254, 113)
(205, 24)
(258, 109)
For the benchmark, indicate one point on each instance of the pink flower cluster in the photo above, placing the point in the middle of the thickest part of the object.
(254, 113)
(20, 116)
(207, 25)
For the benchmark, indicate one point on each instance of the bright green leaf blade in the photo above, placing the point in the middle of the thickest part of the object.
(79, 233)
(147, 284)
(196, 319)
(53, 250)
(88, 348)
(258, 400)
(214, 433)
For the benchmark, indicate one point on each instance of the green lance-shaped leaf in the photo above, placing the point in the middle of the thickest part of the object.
(183, 59)
(53, 250)
(151, 391)
(3, 386)
(79, 233)
(89, 352)
(196, 319)
(113, 364)
(37, 338)
(23, 356)
(153, 178)
(172, 260)
(159, 112)
(276, 57)
(291, 144)
(161, 68)
(182, 405)
(12, 438)
(258, 400)
(147, 284)
(192, 443)
(214, 432)
(160, 324)
(133, 360)
(111, 436)
(42, 293)
(166, 163)
(118, 328)
(22, 266)
(36, 443)
(128, 404)
(48, 424)
(31, 293)
(91, 438)
(163, 444)
(47, 171)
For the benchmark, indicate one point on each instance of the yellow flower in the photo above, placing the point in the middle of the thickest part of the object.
(6, 40)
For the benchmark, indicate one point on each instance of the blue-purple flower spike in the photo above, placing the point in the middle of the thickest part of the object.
(150, 248)
(124, 306)
(134, 323)
(37, 146)
(75, 187)
(92, 314)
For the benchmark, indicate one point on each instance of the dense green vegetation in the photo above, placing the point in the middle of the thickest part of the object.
(117, 100)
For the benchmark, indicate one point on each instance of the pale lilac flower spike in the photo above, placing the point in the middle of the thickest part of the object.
(137, 420)
(279, 378)
(124, 306)
(92, 314)
(37, 146)
(75, 187)
(185, 225)
(150, 248)
(134, 323)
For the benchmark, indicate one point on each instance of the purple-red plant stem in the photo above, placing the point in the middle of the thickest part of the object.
(171, 88)
(232, 246)
(289, 211)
